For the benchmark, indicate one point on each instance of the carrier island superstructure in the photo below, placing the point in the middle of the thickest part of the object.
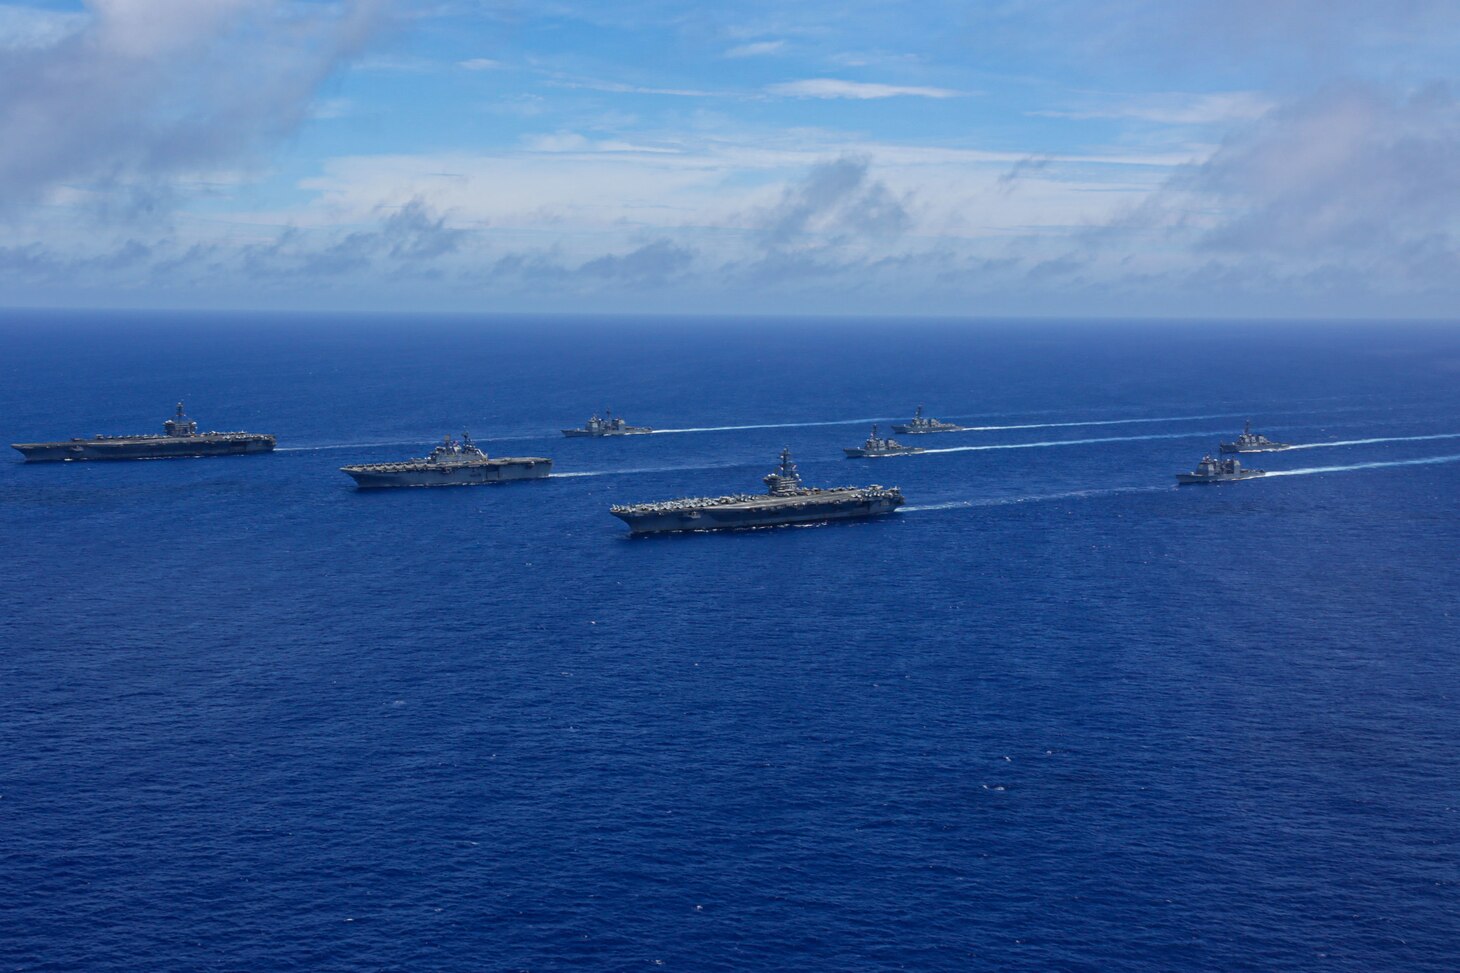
(785, 501)
(179, 438)
(451, 463)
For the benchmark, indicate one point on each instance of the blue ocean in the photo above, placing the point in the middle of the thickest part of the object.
(1056, 714)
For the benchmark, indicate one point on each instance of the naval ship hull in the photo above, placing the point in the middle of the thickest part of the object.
(426, 475)
(160, 447)
(916, 431)
(858, 452)
(1234, 448)
(1186, 479)
(772, 514)
(586, 434)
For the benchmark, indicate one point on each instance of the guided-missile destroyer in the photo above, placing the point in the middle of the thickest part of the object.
(786, 501)
(880, 447)
(1251, 442)
(921, 424)
(180, 437)
(607, 425)
(1212, 470)
(450, 464)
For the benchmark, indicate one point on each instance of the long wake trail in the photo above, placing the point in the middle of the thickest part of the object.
(1112, 491)
(1070, 442)
(315, 449)
(1102, 422)
(1424, 461)
(1033, 498)
(1381, 439)
(774, 425)
(575, 474)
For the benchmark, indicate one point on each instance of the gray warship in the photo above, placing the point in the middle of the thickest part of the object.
(450, 464)
(1212, 470)
(1251, 442)
(921, 423)
(607, 425)
(880, 447)
(785, 501)
(179, 438)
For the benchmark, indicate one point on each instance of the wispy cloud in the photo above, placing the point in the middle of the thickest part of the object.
(756, 49)
(480, 64)
(630, 89)
(858, 90)
(31, 27)
(1173, 108)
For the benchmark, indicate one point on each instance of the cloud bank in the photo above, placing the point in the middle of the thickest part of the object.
(139, 92)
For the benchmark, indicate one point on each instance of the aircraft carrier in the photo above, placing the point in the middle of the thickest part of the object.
(180, 438)
(785, 501)
(451, 463)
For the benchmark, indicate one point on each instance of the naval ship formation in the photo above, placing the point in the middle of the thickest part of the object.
(450, 464)
(453, 463)
(179, 438)
(785, 501)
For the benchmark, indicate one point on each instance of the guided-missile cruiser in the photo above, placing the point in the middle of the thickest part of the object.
(451, 463)
(179, 438)
(880, 447)
(607, 425)
(785, 501)
(1212, 470)
(1251, 442)
(920, 424)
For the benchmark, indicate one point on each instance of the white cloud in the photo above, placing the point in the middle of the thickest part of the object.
(480, 64)
(859, 90)
(149, 92)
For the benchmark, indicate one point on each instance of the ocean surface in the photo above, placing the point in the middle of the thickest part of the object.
(1055, 715)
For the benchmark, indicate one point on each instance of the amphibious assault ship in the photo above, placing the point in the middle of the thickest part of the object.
(1250, 442)
(786, 501)
(920, 424)
(1211, 470)
(180, 437)
(607, 425)
(450, 464)
(880, 447)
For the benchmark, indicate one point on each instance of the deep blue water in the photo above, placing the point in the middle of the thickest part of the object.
(1056, 715)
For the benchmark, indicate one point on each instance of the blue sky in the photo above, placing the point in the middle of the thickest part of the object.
(1101, 157)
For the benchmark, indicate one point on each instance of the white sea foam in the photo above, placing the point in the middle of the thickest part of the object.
(774, 425)
(1071, 442)
(1381, 439)
(1424, 461)
(1103, 422)
(1033, 498)
(647, 469)
(313, 449)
